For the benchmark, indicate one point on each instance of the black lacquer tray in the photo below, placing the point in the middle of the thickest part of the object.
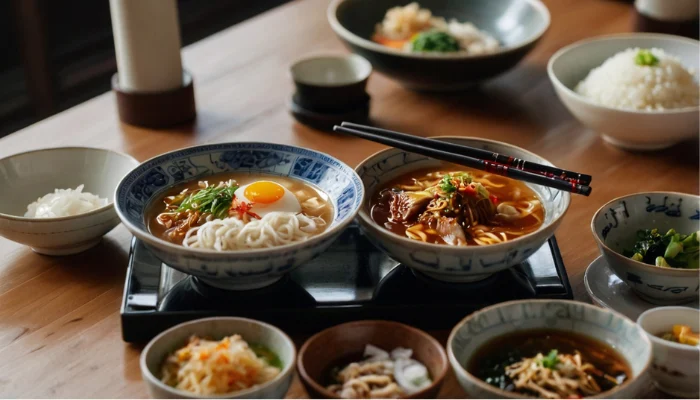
(352, 280)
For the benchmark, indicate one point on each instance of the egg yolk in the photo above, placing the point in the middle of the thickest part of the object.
(264, 192)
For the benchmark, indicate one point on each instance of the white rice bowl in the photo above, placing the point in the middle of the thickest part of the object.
(621, 83)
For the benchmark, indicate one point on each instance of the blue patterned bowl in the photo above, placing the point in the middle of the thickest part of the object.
(245, 269)
(455, 263)
(607, 326)
(615, 227)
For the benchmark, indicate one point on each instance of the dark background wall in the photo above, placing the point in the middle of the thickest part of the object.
(58, 53)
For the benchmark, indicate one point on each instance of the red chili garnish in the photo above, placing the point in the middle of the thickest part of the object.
(242, 208)
(494, 199)
(468, 189)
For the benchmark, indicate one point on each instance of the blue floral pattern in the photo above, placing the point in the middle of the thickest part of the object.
(328, 174)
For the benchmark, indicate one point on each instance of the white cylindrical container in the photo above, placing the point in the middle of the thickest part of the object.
(147, 43)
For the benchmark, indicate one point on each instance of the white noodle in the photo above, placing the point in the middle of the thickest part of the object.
(274, 229)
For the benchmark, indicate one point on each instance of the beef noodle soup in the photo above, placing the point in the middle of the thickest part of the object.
(240, 211)
(457, 206)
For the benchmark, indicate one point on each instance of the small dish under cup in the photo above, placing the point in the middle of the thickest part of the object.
(326, 120)
(608, 290)
(675, 366)
(331, 83)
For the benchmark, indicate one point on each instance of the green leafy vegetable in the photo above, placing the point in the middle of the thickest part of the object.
(645, 58)
(446, 184)
(671, 250)
(551, 360)
(213, 199)
(435, 41)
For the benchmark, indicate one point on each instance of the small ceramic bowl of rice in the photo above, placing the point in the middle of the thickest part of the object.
(60, 201)
(639, 91)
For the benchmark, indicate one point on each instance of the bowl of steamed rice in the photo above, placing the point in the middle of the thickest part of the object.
(219, 357)
(639, 91)
(440, 45)
(60, 201)
(239, 215)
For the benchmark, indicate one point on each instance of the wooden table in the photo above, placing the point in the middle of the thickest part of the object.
(59, 316)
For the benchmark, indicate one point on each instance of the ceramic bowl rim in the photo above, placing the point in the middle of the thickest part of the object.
(676, 272)
(613, 37)
(174, 248)
(502, 393)
(366, 219)
(346, 34)
(692, 350)
(110, 204)
(445, 363)
(241, 393)
(345, 57)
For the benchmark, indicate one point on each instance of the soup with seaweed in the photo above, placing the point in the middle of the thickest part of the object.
(457, 206)
(549, 364)
(233, 211)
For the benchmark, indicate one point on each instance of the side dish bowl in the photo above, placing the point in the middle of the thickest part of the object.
(346, 342)
(600, 324)
(628, 129)
(516, 24)
(676, 367)
(615, 227)
(455, 263)
(240, 269)
(158, 349)
(27, 176)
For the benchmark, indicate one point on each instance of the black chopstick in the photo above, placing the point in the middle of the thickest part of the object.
(472, 162)
(517, 163)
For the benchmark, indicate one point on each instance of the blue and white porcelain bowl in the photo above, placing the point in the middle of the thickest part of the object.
(455, 263)
(627, 338)
(243, 269)
(615, 227)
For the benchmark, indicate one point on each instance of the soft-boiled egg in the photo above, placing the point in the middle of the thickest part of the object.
(266, 197)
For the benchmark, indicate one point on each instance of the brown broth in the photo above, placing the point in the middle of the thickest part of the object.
(381, 214)
(301, 190)
(489, 361)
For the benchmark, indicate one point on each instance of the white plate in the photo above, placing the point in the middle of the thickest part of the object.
(609, 291)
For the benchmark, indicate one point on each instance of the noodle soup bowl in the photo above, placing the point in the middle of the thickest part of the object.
(239, 269)
(216, 328)
(455, 263)
(626, 338)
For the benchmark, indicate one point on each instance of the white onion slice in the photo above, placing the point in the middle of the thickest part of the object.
(411, 375)
(401, 352)
(375, 353)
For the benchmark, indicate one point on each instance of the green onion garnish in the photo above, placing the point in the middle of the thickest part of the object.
(645, 58)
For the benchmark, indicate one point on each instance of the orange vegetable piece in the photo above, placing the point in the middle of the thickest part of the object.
(685, 335)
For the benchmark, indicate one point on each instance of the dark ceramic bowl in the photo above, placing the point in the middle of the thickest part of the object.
(331, 83)
(346, 342)
(517, 24)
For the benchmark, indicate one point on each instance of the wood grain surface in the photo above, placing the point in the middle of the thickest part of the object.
(59, 316)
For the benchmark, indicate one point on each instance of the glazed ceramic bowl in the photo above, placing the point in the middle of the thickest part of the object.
(676, 367)
(607, 326)
(454, 263)
(243, 269)
(615, 227)
(255, 332)
(627, 129)
(346, 342)
(516, 24)
(28, 176)
(331, 83)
